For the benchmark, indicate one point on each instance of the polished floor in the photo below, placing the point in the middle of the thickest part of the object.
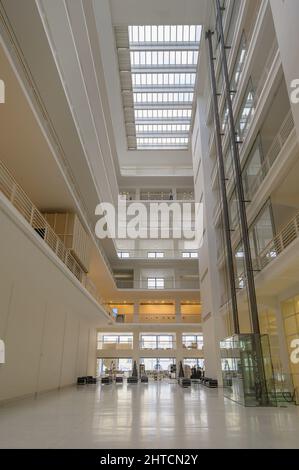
(159, 415)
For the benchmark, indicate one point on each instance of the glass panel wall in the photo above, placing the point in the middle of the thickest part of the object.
(239, 64)
(194, 362)
(158, 365)
(246, 112)
(290, 312)
(253, 167)
(107, 366)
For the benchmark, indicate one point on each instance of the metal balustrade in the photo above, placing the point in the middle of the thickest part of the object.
(160, 284)
(148, 345)
(117, 346)
(19, 199)
(155, 254)
(275, 247)
(279, 243)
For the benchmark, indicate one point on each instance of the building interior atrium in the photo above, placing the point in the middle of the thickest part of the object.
(149, 224)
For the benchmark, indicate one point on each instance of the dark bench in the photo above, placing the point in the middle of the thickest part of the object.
(184, 382)
(144, 379)
(81, 380)
(132, 380)
(106, 380)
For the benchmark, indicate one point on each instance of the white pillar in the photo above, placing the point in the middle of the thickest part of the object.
(136, 313)
(178, 316)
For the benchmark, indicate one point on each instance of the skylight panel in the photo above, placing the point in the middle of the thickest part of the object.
(163, 64)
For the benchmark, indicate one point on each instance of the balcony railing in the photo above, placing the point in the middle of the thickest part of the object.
(191, 346)
(153, 346)
(275, 247)
(167, 284)
(279, 243)
(157, 255)
(107, 346)
(275, 149)
(19, 199)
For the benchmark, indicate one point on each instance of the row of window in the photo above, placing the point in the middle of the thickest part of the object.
(159, 254)
(165, 114)
(163, 79)
(164, 33)
(165, 98)
(140, 128)
(167, 141)
(164, 58)
(157, 364)
(150, 341)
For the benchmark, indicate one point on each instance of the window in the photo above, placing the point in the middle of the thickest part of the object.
(189, 254)
(123, 254)
(155, 283)
(253, 170)
(192, 341)
(155, 255)
(154, 342)
(157, 364)
(239, 64)
(246, 112)
(114, 365)
(194, 362)
(117, 341)
(239, 261)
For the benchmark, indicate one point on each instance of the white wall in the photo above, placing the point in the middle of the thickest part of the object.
(47, 323)
(286, 20)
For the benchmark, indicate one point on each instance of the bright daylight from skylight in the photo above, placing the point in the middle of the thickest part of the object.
(163, 62)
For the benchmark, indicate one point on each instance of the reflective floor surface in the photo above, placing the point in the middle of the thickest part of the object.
(157, 415)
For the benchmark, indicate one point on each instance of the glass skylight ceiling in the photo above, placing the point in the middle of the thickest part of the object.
(163, 64)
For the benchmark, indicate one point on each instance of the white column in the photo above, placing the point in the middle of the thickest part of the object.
(136, 313)
(179, 350)
(178, 316)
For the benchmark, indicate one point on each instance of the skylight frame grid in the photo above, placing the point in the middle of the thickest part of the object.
(163, 74)
(155, 34)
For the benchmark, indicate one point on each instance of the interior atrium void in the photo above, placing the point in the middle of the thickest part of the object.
(149, 224)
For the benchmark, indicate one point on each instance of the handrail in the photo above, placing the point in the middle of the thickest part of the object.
(167, 284)
(274, 248)
(279, 243)
(167, 254)
(19, 199)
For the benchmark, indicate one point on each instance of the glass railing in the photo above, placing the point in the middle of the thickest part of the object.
(198, 346)
(119, 346)
(158, 254)
(160, 345)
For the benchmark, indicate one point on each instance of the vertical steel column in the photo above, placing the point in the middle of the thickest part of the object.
(230, 259)
(239, 182)
(261, 376)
